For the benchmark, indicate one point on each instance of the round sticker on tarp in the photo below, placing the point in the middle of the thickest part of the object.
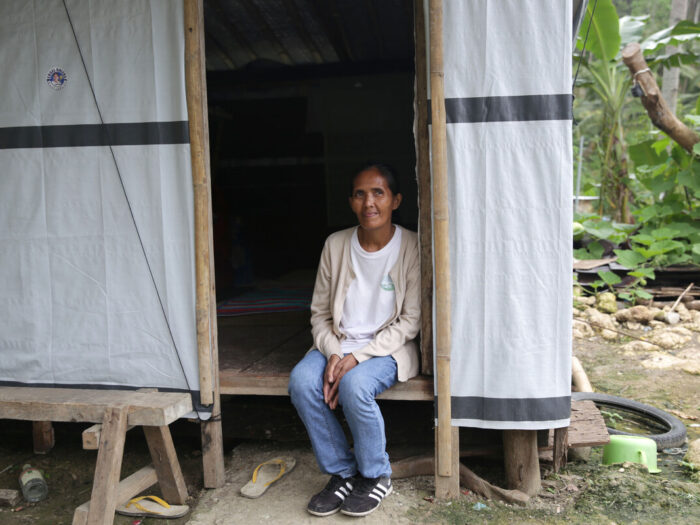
(56, 78)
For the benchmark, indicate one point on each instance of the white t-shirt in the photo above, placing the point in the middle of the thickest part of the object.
(371, 298)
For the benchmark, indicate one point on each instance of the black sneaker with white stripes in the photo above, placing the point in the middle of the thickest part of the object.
(329, 500)
(366, 496)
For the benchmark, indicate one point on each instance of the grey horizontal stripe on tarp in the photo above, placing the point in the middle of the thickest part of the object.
(508, 109)
(79, 135)
(511, 409)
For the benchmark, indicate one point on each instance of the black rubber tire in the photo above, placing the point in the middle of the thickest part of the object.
(673, 437)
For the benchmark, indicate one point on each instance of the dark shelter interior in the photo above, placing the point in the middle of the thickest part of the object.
(301, 93)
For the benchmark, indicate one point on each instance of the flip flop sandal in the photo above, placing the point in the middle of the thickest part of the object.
(152, 507)
(266, 474)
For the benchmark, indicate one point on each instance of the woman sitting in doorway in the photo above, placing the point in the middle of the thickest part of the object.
(365, 313)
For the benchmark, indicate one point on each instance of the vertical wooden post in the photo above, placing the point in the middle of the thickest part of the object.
(212, 436)
(425, 225)
(447, 468)
(561, 448)
(522, 462)
(43, 436)
(164, 456)
(195, 81)
(105, 486)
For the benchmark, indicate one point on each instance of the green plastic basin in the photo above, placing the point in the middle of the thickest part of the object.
(635, 449)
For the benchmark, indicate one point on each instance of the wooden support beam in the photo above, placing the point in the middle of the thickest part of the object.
(522, 462)
(447, 486)
(425, 465)
(108, 467)
(160, 445)
(211, 430)
(425, 225)
(43, 437)
(561, 448)
(447, 443)
(91, 436)
(660, 114)
(127, 489)
(195, 84)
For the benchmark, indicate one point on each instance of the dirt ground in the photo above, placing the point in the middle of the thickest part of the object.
(257, 429)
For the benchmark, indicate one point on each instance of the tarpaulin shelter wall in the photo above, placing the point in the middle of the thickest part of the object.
(507, 88)
(78, 305)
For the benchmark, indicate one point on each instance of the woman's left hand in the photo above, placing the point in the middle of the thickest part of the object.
(343, 366)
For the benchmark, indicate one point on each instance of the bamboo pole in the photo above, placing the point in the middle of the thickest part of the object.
(447, 472)
(195, 79)
(425, 227)
(195, 84)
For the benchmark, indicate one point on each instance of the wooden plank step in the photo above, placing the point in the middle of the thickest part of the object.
(419, 388)
(81, 405)
(587, 427)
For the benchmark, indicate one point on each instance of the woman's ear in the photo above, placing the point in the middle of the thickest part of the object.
(397, 201)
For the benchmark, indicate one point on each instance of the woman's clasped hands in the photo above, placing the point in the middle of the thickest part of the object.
(335, 370)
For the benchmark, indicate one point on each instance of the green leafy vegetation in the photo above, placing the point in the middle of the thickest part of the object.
(648, 186)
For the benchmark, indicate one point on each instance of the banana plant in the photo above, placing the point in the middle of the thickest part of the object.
(609, 80)
(605, 34)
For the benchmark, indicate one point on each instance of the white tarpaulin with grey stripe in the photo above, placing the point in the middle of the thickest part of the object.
(84, 140)
(508, 106)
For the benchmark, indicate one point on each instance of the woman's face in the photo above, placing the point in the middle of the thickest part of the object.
(372, 201)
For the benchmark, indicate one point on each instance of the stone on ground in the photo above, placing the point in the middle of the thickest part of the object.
(607, 303)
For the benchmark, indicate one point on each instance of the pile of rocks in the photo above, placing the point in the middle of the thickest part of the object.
(660, 328)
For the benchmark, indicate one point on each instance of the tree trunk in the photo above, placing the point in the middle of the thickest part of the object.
(671, 76)
(653, 102)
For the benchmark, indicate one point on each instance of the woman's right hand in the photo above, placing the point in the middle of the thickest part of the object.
(329, 377)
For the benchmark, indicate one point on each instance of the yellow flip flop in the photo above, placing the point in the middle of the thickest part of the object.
(151, 507)
(266, 474)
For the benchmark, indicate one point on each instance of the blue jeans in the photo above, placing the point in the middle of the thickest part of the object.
(357, 391)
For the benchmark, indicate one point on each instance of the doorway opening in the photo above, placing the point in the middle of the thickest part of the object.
(299, 98)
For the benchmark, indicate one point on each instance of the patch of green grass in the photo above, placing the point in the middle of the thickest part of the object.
(634, 495)
(607, 496)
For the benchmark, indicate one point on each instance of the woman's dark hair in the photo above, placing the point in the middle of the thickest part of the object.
(386, 171)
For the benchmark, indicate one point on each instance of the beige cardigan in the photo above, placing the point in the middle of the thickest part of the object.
(395, 337)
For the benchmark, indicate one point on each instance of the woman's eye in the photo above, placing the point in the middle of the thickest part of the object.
(378, 193)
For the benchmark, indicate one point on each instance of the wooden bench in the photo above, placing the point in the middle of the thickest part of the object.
(115, 410)
(587, 425)
(233, 382)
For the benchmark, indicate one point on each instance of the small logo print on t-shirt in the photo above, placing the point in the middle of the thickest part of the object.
(387, 284)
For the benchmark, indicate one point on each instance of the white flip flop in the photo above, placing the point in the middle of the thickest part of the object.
(266, 474)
